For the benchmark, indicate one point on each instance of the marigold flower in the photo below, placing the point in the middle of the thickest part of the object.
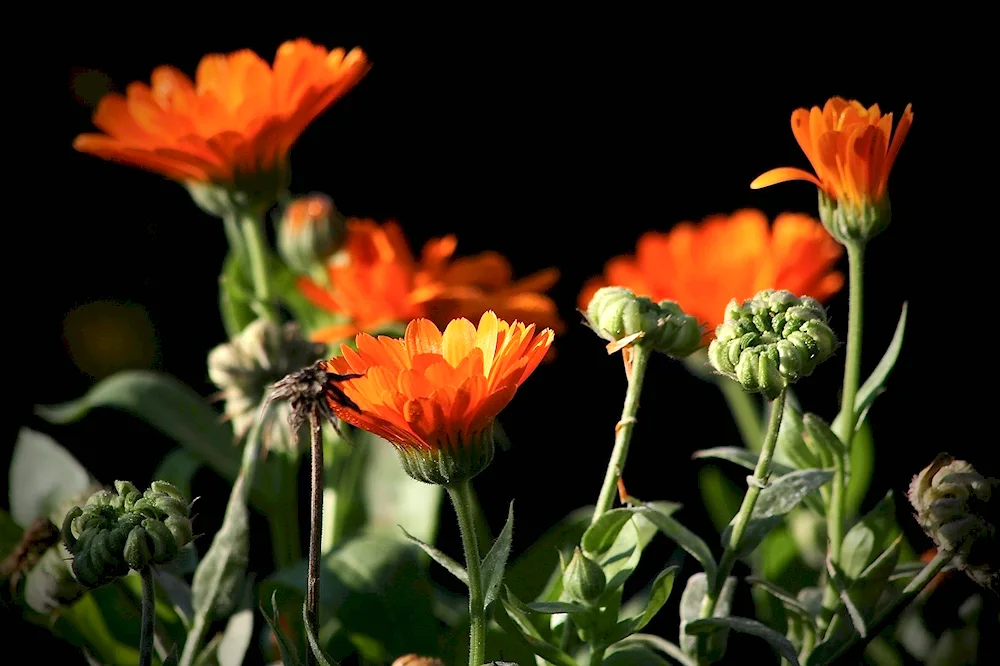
(703, 266)
(376, 281)
(851, 153)
(435, 395)
(238, 119)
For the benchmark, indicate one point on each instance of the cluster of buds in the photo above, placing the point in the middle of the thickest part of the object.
(953, 506)
(117, 531)
(311, 230)
(771, 340)
(619, 316)
(246, 367)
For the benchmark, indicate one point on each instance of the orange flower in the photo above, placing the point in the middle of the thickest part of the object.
(376, 281)
(849, 149)
(703, 266)
(238, 118)
(434, 396)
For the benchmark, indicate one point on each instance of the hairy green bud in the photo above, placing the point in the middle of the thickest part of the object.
(849, 223)
(771, 340)
(116, 531)
(310, 231)
(618, 315)
(583, 579)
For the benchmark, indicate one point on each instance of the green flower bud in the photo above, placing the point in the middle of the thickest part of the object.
(849, 223)
(445, 466)
(311, 230)
(955, 507)
(583, 579)
(115, 531)
(246, 367)
(771, 340)
(618, 315)
(251, 192)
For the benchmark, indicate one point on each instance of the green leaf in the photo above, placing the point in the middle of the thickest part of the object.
(314, 646)
(219, 580)
(178, 468)
(790, 446)
(861, 466)
(391, 497)
(45, 479)
(88, 623)
(634, 655)
(690, 609)
(871, 535)
(236, 638)
(601, 534)
(857, 618)
(742, 457)
(789, 600)
(873, 385)
(516, 625)
(744, 625)
(528, 574)
(289, 655)
(778, 498)
(662, 645)
(448, 563)
(235, 296)
(553, 607)
(818, 436)
(658, 595)
(682, 536)
(721, 497)
(496, 560)
(164, 403)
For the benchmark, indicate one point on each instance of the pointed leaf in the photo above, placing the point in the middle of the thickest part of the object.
(744, 625)
(857, 619)
(166, 404)
(820, 438)
(663, 645)
(690, 608)
(634, 655)
(451, 565)
(525, 632)
(860, 467)
(554, 607)
(791, 446)
(873, 385)
(787, 598)
(235, 640)
(603, 531)
(742, 457)
(289, 655)
(45, 479)
(778, 498)
(658, 594)
(314, 646)
(682, 536)
(496, 560)
(871, 535)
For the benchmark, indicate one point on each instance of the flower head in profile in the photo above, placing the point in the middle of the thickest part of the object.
(852, 150)
(435, 395)
(233, 125)
(376, 282)
(703, 266)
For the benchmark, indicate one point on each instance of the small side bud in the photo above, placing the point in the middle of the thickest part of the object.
(771, 340)
(583, 579)
(137, 553)
(311, 230)
(618, 315)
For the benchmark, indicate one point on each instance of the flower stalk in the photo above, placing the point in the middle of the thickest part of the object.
(461, 497)
(315, 527)
(852, 378)
(251, 228)
(742, 520)
(148, 618)
(623, 431)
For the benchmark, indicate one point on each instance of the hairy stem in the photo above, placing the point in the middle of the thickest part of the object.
(148, 618)
(461, 498)
(623, 431)
(315, 528)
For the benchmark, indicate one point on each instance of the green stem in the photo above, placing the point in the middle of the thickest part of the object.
(852, 378)
(315, 527)
(889, 614)
(236, 243)
(251, 227)
(742, 520)
(623, 432)
(461, 498)
(745, 412)
(148, 618)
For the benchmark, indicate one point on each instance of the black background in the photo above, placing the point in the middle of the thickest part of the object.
(554, 145)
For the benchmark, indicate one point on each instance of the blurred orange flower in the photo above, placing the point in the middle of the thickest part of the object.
(849, 148)
(437, 392)
(703, 266)
(376, 281)
(239, 117)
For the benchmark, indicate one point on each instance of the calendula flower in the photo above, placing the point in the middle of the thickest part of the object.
(376, 282)
(852, 150)
(435, 395)
(233, 125)
(703, 266)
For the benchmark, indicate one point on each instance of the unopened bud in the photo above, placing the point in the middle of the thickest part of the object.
(616, 313)
(310, 232)
(583, 580)
(771, 340)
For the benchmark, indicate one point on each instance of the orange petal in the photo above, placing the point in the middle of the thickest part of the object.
(783, 175)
